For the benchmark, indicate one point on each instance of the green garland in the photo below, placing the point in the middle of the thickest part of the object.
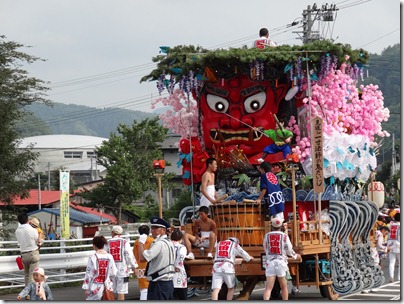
(180, 60)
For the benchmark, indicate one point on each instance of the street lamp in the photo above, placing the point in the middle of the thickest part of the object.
(159, 166)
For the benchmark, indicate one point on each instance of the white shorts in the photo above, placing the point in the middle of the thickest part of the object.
(218, 278)
(276, 268)
(205, 243)
(120, 286)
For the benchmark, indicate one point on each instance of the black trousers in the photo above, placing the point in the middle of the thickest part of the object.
(180, 293)
(160, 290)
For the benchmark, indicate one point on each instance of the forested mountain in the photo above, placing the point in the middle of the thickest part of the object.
(385, 71)
(76, 119)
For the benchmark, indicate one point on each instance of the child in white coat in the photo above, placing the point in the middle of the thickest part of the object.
(37, 290)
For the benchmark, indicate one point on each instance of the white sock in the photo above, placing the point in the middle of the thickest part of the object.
(143, 294)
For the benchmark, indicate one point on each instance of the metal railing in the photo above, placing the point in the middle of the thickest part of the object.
(64, 261)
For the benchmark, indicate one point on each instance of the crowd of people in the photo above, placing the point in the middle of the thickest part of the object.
(156, 260)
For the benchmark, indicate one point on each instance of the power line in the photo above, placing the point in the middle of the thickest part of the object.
(80, 114)
(147, 66)
(381, 37)
(143, 100)
(355, 3)
(101, 76)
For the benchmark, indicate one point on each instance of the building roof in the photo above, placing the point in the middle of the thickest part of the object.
(50, 197)
(75, 215)
(95, 212)
(47, 197)
(62, 141)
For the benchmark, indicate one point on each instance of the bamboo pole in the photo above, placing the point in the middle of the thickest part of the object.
(320, 235)
(295, 235)
(159, 175)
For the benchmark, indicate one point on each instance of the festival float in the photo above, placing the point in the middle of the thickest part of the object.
(222, 102)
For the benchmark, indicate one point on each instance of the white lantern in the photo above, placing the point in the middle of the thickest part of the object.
(377, 193)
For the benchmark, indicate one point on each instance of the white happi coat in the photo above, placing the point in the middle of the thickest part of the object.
(123, 256)
(98, 271)
(393, 241)
(180, 277)
(277, 246)
(225, 255)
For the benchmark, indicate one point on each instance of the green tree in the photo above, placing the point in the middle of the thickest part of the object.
(54, 181)
(31, 125)
(384, 71)
(17, 90)
(183, 200)
(127, 157)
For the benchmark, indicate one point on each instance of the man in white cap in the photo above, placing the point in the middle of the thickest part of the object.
(160, 257)
(124, 259)
(277, 247)
(223, 267)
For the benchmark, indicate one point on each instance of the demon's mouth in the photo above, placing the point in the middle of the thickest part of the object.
(226, 136)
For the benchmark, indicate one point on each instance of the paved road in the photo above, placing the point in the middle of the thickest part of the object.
(389, 291)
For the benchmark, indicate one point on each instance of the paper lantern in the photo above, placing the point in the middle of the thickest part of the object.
(377, 195)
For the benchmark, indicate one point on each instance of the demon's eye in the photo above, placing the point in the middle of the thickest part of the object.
(216, 103)
(255, 102)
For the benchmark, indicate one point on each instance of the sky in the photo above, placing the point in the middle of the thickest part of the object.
(96, 51)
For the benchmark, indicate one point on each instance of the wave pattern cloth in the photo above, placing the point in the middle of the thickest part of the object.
(352, 266)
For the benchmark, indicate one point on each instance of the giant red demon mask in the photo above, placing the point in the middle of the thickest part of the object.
(230, 108)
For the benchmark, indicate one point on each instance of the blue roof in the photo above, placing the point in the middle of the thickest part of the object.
(75, 215)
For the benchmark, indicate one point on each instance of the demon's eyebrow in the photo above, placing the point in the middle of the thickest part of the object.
(217, 91)
(252, 90)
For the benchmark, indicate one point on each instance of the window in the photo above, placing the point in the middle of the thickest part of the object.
(91, 154)
(73, 154)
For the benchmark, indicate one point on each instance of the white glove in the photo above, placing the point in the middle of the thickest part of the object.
(143, 238)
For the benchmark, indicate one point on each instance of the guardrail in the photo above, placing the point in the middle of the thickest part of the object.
(72, 255)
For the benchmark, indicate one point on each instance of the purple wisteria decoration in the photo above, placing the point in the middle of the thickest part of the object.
(160, 83)
(299, 72)
(291, 75)
(259, 70)
(171, 84)
(335, 59)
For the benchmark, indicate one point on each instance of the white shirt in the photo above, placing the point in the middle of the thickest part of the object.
(161, 258)
(27, 237)
(263, 42)
(380, 241)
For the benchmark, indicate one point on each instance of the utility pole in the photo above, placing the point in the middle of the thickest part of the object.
(39, 191)
(96, 171)
(91, 169)
(49, 176)
(307, 26)
(393, 161)
(323, 15)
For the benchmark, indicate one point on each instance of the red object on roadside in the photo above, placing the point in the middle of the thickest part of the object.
(19, 263)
